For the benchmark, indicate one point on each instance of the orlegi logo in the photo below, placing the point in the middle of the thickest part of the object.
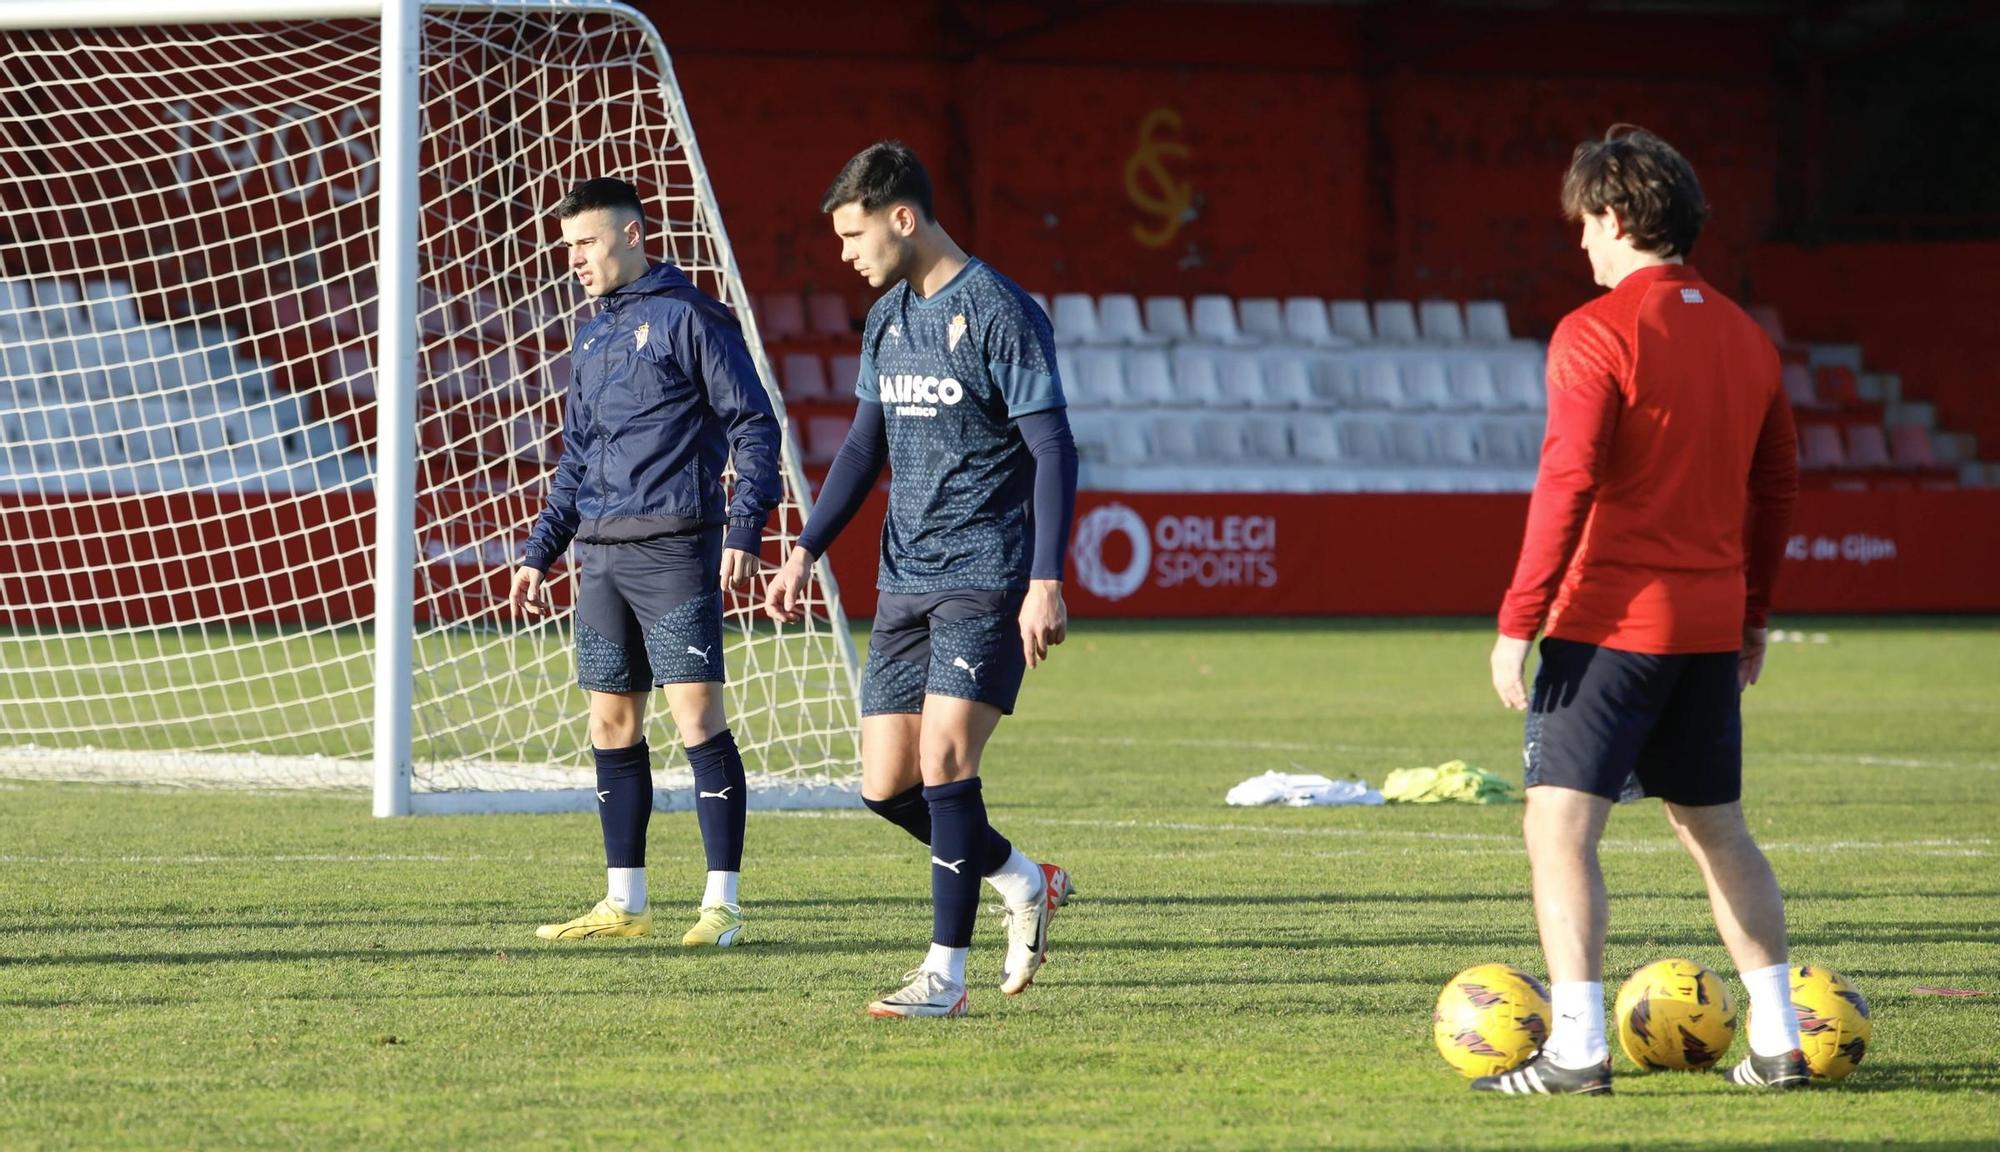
(1206, 551)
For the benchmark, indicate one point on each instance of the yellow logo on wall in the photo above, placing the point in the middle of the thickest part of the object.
(1152, 187)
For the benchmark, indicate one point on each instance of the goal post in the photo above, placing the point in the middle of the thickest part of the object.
(283, 327)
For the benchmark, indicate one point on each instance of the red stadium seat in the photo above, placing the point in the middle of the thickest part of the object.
(1867, 447)
(1767, 318)
(1799, 386)
(828, 315)
(1820, 448)
(1910, 445)
(804, 378)
(1836, 384)
(781, 316)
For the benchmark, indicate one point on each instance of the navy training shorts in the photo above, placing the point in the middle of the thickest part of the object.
(649, 612)
(1602, 720)
(965, 644)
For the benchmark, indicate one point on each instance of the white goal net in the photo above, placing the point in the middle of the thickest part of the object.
(189, 245)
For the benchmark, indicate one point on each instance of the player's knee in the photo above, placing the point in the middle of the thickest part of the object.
(614, 721)
(946, 761)
(1709, 827)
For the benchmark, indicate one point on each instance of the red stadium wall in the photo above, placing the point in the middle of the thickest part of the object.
(158, 559)
(1253, 150)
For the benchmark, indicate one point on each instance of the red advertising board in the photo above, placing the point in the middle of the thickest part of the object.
(188, 557)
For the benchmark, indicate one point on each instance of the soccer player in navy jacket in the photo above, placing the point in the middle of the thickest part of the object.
(663, 391)
(959, 396)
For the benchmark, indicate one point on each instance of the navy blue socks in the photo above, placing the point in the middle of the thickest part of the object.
(958, 844)
(624, 803)
(720, 803)
(911, 812)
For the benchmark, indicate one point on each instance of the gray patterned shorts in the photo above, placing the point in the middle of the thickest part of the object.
(649, 612)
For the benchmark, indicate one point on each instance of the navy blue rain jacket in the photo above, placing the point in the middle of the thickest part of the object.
(662, 389)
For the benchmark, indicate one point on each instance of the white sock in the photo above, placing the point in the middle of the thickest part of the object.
(721, 889)
(1774, 1027)
(1576, 1038)
(625, 888)
(947, 962)
(1019, 881)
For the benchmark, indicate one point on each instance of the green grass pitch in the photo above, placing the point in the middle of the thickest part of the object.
(212, 970)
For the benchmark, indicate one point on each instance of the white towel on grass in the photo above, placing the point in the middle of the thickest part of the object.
(1300, 790)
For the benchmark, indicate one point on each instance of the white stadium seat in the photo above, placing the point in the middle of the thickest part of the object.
(1225, 439)
(1075, 318)
(1415, 442)
(1472, 387)
(1100, 379)
(1316, 438)
(1215, 321)
(1167, 318)
(1351, 321)
(1119, 322)
(1380, 385)
(1365, 439)
(1441, 321)
(1149, 378)
(1175, 439)
(1288, 382)
(1458, 443)
(1395, 321)
(1242, 380)
(1262, 317)
(1486, 322)
(1197, 378)
(1270, 439)
(1306, 322)
(1520, 387)
(1425, 385)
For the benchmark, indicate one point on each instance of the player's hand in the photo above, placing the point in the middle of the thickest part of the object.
(528, 595)
(785, 595)
(1510, 660)
(738, 567)
(1750, 661)
(1044, 620)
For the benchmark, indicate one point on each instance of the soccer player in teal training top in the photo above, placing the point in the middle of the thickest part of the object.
(1654, 534)
(958, 394)
(663, 392)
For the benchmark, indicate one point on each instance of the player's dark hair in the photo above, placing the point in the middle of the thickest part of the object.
(1639, 176)
(882, 173)
(602, 192)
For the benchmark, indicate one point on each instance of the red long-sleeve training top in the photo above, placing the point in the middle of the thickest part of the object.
(1667, 478)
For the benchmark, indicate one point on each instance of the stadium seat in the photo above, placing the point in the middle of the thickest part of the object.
(1458, 443)
(1118, 321)
(1175, 440)
(1149, 378)
(1910, 446)
(1521, 387)
(1414, 443)
(1867, 447)
(1366, 439)
(1395, 321)
(1486, 322)
(1215, 321)
(1797, 379)
(1242, 380)
(1306, 322)
(1262, 317)
(1316, 438)
(110, 305)
(1270, 439)
(1167, 318)
(1820, 447)
(1500, 444)
(1425, 385)
(1225, 439)
(1380, 384)
(824, 435)
(804, 378)
(843, 372)
(781, 316)
(1351, 322)
(1441, 321)
(1472, 387)
(826, 315)
(1100, 379)
(1288, 382)
(1335, 383)
(1075, 319)
(1835, 384)
(1129, 444)
(1197, 378)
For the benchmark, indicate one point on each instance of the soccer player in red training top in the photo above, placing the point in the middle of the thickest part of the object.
(1656, 526)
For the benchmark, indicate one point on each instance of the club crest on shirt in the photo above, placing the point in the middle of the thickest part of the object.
(639, 337)
(956, 332)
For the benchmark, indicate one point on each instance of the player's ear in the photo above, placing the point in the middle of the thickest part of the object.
(633, 233)
(903, 219)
